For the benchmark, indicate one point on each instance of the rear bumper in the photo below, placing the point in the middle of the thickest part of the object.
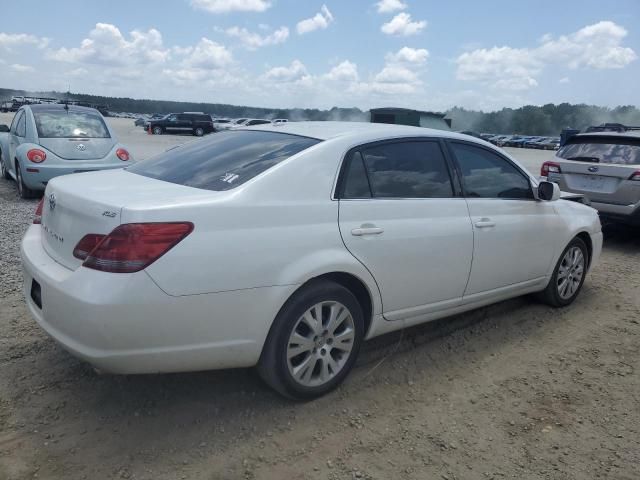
(38, 179)
(124, 323)
(629, 214)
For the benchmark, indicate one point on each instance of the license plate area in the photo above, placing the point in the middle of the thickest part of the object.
(36, 294)
(593, 183)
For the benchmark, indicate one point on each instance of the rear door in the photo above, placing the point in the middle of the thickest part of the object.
(399, 215)
(515, 236)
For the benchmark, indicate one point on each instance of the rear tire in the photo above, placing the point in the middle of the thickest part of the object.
(568, 275)
(157, 130)
(198, 132)
(3, 169)
(303, 358)
(24, 191)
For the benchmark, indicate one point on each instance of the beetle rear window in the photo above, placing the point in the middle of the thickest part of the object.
(70, 124)
(224, 160)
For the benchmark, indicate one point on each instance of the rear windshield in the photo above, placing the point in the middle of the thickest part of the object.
(618, 150)
(70, 124)
(223, 160)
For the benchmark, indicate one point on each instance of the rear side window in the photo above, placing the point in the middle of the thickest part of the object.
(356, 183)
(488, 175)
(411, 169)
(616, 150)
(21, 128)
(224, 160)
(70, 124)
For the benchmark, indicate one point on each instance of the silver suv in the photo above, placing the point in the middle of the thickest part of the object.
(605, 167)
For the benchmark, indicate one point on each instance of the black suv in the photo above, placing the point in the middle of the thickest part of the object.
(195, 123)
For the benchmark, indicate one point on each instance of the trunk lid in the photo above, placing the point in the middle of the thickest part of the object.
(79, 204)
(79, 148)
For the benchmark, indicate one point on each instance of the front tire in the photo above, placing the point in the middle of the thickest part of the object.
(568, 276)
(314, 341)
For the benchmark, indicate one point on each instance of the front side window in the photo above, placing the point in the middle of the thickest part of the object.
(224, 160)
(488, 175)
(411, 169)
(61, 123)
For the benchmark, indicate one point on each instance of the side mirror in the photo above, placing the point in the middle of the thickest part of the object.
(548, 191)
(4, 128)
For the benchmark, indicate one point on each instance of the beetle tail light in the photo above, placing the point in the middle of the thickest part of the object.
(132, 247)
(123, 154)
(549, 167)
(37, 217)
(36, 155)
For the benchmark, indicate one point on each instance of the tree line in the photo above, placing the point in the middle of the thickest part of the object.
(547, 119)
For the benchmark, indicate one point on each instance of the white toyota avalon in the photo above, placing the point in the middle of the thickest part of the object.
(287, 246)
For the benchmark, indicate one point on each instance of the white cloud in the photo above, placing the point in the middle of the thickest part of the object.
(387, 6)
(294, 72)
(320, 20)
(22, 68)
(107, 46)
(595, 46)
(564, 80)
(252, 41)
(8, 40)
(403, 25)
(504, 67)
(343, 72)
(408, 55)
(208, 55)
(224, 6)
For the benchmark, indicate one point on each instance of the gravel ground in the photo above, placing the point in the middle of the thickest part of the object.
(517, 390)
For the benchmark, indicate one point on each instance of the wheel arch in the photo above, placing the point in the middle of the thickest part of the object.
(586, 238)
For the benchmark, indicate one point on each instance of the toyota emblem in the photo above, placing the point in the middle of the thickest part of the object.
(52, 202)
(81, 146)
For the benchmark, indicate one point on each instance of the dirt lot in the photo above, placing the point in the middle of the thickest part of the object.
(517, 390)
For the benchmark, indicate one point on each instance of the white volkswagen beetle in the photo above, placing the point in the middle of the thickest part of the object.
(285, 247)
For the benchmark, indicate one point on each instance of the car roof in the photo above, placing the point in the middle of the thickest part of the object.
(627, 134)
(42, 107)
(362, 130)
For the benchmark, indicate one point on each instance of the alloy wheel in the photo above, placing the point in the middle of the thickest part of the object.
(320, 343)
(570, 272)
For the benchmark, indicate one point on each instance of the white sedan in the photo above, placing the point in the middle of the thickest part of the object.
(285, 247)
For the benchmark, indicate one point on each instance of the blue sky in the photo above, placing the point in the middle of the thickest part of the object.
(293, 53)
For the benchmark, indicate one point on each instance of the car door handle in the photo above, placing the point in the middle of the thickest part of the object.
(485, 223)
(359, 232)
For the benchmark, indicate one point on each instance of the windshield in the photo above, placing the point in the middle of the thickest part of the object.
(618, 150)
(70, 124)
(223, 161)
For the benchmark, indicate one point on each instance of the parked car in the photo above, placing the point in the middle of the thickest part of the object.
(279, 121)
(197, 124)
(548, 144)
(140, 121)
(49, 140)
(530, 142)
(250, 122)
(222, 124)
(171, 277)
(605, 167)
(513, 141)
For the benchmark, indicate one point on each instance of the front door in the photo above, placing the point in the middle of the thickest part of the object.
(513, 232)
(399, 216)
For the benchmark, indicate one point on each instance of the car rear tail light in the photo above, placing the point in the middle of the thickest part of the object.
(86, 245)
(36, 155)
(132, 247)
(635, 176)
(122, 154)
(37, 217)
(549, 167)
